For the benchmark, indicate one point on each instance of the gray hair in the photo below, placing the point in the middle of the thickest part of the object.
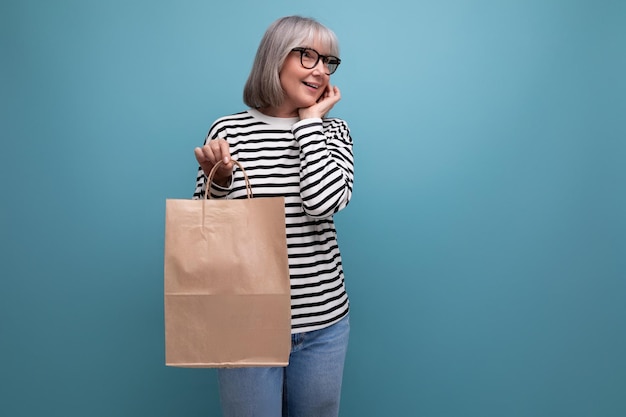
(263, 87)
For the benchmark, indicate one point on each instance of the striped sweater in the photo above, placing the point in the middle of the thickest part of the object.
(310, 163)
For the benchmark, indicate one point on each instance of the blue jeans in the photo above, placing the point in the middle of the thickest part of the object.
(310, 386)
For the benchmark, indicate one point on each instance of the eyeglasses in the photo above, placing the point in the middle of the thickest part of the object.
(309, 58)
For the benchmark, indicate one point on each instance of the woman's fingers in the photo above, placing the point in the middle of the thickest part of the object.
(331, 97)
(328, 99)
(199, 155)
(213, 151)
(223, 152)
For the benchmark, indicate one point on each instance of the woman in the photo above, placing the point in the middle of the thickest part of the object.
(289, 148)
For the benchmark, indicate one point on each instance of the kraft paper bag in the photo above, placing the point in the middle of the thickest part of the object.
(227, 292)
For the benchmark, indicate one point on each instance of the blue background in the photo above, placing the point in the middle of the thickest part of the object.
(485, 246)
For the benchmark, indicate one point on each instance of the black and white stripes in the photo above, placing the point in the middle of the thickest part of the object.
(310, 163)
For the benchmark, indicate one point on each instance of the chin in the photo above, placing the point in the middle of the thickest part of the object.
(305, 104)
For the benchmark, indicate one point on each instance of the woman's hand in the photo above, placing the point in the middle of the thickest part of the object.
(208, 155)
(329, 98)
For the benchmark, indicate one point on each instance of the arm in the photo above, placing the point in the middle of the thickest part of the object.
(326, 165)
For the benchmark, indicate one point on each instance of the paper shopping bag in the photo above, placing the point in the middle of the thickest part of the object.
(227, 292)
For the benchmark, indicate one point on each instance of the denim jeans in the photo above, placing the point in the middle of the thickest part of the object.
(310, 386)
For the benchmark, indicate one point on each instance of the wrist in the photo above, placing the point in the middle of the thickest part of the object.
(307, 114)
(222, 182)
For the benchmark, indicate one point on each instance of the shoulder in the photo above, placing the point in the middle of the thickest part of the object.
(235, 118)
(335, 126)
(334, 122)
(232, 121)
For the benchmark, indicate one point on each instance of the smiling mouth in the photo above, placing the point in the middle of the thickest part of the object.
(311, 85)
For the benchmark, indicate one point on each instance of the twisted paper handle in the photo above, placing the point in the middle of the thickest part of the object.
(207, 191)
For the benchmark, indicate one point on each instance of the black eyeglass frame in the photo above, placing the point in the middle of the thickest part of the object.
(326, 59)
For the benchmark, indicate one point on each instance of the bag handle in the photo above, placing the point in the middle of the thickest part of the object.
(207, 191)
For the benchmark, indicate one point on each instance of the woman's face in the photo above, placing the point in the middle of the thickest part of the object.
(302, 86)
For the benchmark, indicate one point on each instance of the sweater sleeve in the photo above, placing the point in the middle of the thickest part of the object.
(326, 165)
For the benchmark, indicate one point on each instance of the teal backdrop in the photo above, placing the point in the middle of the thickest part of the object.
(484, 248)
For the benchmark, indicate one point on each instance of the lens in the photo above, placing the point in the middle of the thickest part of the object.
(309, 58)
(332, 65)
